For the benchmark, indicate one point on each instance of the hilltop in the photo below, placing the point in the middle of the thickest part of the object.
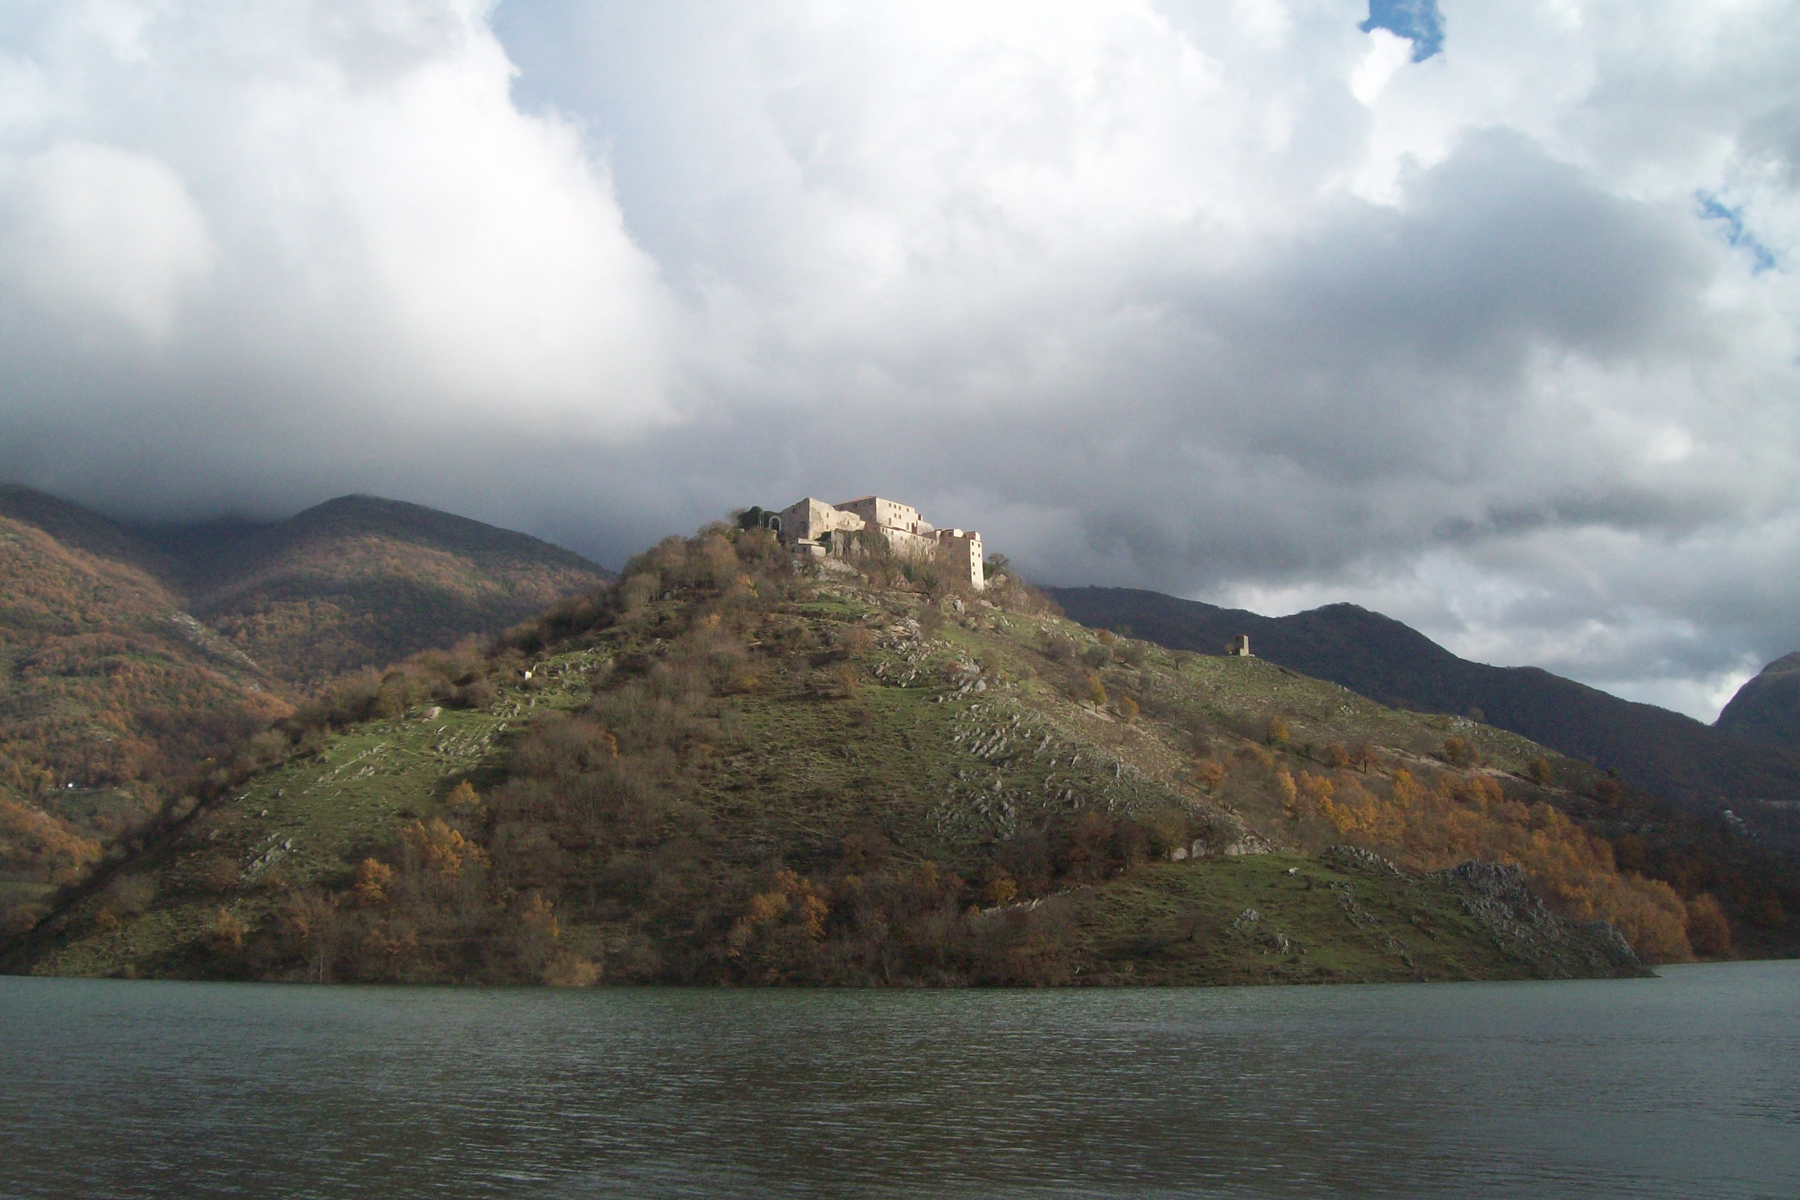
(353, 583)
(1767, 708)
(738, 766)
(361, 582)
(134, 661)
(1702, 769)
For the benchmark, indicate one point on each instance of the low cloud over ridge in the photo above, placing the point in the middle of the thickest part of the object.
(1230, 300)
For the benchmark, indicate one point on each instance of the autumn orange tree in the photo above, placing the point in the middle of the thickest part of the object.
(1467, 816)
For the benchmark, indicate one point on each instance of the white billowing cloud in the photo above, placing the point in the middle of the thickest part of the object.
(1387, 54)
(334, 234)
(96, 232)
(1230, 298)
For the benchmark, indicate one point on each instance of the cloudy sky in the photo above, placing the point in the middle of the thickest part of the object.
(1480, 315)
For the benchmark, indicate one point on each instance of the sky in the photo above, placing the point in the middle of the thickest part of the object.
(1483, 316)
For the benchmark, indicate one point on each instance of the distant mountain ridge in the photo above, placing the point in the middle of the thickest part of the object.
(363, 581)
(354, 582)
(1703, 769)
(1767, 708)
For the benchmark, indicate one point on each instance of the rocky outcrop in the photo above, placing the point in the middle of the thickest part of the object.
(1498, 898)
(1497, 895)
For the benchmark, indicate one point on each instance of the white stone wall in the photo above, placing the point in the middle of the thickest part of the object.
(906, 544)
(804, 524)
(962, 548)
(887, 514)
(811, 519)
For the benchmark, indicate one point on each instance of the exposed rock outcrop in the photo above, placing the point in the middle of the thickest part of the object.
(1497, 896)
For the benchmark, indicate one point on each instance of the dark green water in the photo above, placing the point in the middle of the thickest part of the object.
(1684, 1086)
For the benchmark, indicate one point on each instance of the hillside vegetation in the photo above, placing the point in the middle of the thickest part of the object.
(109, 699)
(731, 767)
(134, 663)
(1702, 769)
(361, 582)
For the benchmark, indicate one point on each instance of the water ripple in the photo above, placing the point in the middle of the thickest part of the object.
(1675, 1087)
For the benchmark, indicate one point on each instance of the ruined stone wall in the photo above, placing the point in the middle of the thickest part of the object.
(908, 545)
(887, 514)
(811, 522)
(962, 548)
(811, 519)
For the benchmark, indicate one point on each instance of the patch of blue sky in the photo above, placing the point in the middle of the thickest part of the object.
(1732, 219)
(1419, 21)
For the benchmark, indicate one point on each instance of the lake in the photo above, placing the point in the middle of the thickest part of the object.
(1682, 1086)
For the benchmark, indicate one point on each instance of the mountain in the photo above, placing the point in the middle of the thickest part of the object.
(111, 697)
(734, 766)
(362, 582)
(352, 583)
(132, 660)
(1767, 708)
(1702, 769)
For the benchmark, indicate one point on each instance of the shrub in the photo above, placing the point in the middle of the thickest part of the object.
(1284, 788)
(1459, 752)
(1707, 929)
(373, 879)
(221, 873)
(227, 936)
(1059, 647)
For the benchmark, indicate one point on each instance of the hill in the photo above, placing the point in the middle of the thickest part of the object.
(1767, 708)
(133, 660)
(353, 583)
(1702, 769)
(361, 582)
(110, 698)
(734, 766)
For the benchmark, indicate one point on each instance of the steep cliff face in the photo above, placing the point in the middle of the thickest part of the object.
(1767, 708)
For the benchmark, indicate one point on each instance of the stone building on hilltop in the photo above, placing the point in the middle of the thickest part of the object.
(815, 527)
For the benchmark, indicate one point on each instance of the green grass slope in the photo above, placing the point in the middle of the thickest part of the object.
(734, 768)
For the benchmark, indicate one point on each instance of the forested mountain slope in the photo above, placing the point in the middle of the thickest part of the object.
(132, 661)
(1705, 770)
(361, 581)
(733, 766)
(110, 696)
